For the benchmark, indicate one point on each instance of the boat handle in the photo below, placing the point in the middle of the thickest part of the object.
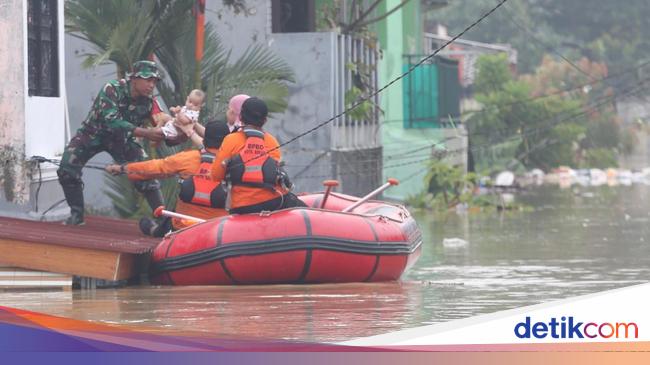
(160, 211)
(329, 185)
(390, 182)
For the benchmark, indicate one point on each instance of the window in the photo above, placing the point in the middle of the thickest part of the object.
(431, 93)
(42, 48)
(293, 16)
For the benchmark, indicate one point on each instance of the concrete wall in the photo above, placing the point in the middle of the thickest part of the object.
(29, 125)
(311, 102)
(238, 31)
(13, 171)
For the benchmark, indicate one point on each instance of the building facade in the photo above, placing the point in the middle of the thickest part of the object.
(32, 106)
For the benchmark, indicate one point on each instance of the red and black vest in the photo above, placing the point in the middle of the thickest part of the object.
(253, 166)
(200, 189)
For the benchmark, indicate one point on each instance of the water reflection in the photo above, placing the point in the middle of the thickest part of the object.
(574, 241)
(300, 312)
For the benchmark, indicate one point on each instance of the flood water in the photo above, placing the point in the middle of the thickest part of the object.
(571, 242)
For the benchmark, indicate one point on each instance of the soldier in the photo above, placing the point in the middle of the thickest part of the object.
(117, 117)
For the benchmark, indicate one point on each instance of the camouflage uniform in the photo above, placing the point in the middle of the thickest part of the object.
(109, 127)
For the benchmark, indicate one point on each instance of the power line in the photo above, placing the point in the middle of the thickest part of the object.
(548, 47)
(372, 95)
(442, 154)
(537, 97)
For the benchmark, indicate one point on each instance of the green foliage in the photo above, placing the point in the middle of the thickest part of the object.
(600, 30)
(548, 132)
(603, 132)
(496, 28)
(600, 158)
(362, 111)
(629, 141)
(129, 203)
(124, 31)
(494, 74)
(448, 185)
(257, 72)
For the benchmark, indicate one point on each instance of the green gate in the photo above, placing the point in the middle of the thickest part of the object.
(431, 92)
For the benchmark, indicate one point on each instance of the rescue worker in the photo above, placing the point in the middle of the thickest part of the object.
(199, 195)
(117, 117)
(258, 184)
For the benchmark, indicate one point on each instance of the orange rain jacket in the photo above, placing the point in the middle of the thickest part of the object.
(185, 164)
(241, 196)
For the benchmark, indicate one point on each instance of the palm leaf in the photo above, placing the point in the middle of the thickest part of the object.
(257, 72)
(124, 31)
(178, 60)
(129, 203)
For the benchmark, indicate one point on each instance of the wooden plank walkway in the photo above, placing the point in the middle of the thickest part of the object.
(103, 248)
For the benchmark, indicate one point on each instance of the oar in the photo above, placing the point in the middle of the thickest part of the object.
(160, 211)
(329, 184)
(391, 181)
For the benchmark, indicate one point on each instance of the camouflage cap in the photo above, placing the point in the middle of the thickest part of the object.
(145, 70)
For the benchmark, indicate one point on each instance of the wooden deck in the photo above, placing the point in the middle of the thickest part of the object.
(103, 248)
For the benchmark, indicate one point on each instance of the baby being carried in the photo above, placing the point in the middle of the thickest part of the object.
(191, 110)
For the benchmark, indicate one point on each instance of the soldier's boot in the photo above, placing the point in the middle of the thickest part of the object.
(161, 225)
(154, 198)
(150, 189)
(75, 198)
(74, 195)
(147, 226)
(156, 229)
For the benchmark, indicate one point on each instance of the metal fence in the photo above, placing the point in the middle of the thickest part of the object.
(355, 66)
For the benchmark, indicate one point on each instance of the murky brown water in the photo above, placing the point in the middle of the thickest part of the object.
(574, 242)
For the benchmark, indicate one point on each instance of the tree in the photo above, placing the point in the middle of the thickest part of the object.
(354, 17)
(496, 28)
(605, 31)
(538, 124)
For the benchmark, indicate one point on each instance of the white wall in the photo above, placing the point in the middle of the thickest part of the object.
(12, 104)
(45, 116)
(28, 125)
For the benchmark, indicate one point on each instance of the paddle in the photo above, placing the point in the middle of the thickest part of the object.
(329, 184)
(160, 211)
(391, 181)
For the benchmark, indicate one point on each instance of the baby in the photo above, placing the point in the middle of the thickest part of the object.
(192, 108)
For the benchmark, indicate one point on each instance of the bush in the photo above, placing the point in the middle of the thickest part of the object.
(600, 158)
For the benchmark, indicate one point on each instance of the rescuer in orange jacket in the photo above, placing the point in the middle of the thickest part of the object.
(250, 157)
(199, 195)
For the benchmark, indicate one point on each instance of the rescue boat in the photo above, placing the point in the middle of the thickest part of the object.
(338, 238)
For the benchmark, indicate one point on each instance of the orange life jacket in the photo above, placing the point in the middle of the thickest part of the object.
(200, 189)
(253, 166)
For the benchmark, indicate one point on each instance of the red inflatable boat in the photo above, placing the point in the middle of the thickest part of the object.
(377, 241)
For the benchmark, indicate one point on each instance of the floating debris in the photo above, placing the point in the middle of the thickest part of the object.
(454, 242)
